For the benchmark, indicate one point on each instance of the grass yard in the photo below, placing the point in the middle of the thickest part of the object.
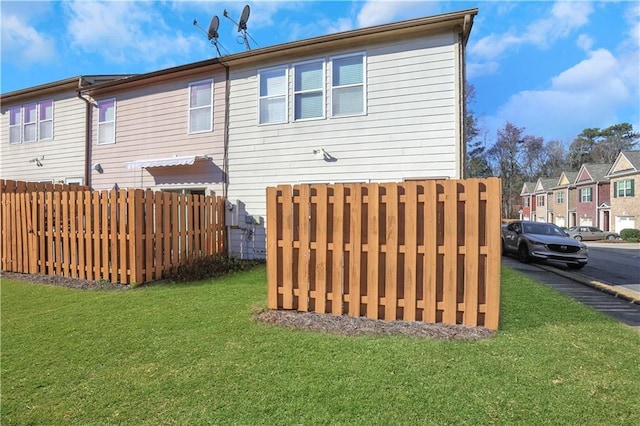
(191, 354)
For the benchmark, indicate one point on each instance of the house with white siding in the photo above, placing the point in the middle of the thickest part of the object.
(378, 104)
(43, 132)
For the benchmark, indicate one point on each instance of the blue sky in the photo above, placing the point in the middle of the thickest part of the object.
(554, 68)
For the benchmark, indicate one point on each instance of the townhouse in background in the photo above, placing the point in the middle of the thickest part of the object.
(376, 104)
(599, 195)
(624, 177)
(43, 132)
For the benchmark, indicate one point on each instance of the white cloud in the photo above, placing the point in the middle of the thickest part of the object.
(381, 12)
(564, 18)
(22, 44)
(584, 42)
(126, 31)
(589, 94)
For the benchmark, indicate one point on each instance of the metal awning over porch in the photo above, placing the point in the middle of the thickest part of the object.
(186, 160)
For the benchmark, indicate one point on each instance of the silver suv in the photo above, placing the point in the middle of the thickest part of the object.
(542, 241)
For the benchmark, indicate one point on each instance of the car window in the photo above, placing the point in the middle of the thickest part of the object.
(595, 230)
(542, 229)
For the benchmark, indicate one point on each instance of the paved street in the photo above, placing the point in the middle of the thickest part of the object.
(619, 308)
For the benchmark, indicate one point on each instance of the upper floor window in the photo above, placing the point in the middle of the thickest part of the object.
(201, 106)
(31, 122)
(347, 88)
(15, 125)
(107, 121)
(45, 120)
(585, 195)
(273, 96)
(540, 201)
(559, 197)
(526, 201)
(308, 90)
(623, 188)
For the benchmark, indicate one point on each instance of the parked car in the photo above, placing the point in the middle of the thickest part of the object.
(587, 233)
(543, 241)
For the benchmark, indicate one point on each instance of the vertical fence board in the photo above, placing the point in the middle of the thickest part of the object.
(391, 253)
(472, 246)
(337, 255)
(493, 217)
(287, 248)
(355, 255)
(321, 248)
(410, 250)
(373, 251)
(450, 251)
(304, 247)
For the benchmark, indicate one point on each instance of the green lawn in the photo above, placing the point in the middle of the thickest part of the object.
(191, 354)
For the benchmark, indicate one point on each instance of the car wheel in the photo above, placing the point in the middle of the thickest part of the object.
(578, 237)
(523, 253)
(611, 237)
(576, 265)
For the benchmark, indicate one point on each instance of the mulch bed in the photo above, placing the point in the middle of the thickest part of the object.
(325, 323)
(349, 326)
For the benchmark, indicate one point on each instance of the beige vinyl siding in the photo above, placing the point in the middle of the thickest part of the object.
(63, 155)
(152, 123)
(408, 131)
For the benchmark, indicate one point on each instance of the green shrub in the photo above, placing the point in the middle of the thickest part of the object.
(628, 234)
(210, 266)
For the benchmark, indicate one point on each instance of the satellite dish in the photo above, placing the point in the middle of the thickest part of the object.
(244, 17)
(213, 28)
(242, 25)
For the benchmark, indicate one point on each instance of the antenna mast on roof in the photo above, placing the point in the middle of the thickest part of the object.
(242, 25)
(212, 33)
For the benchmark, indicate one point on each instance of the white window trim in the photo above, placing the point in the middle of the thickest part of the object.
(621, 192)
(364, 84)
(323, 63)
(583, 198)
(189, 108)
(115, 111)
(53, 114)
(73, 181)
(284, 68)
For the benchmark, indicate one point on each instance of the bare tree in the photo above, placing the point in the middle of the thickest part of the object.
(507, 157)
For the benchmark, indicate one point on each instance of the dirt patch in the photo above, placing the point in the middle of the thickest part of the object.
(64, 281)
(349, 326)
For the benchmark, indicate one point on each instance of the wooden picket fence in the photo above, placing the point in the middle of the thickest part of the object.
(416, 251)
(121, 236)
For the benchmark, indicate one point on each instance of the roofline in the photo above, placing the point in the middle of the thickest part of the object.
(54, 86)
(462, 20)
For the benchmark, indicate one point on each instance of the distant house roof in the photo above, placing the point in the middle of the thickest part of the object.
(597, 172)
(461, 21)
(545, 184)
(632, 159)
(528, 188)
(71, 83)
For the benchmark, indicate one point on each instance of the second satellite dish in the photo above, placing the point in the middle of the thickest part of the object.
(213, 28)
(244, 17)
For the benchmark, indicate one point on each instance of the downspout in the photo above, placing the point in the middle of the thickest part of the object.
(87, 135)
(225, 159)
(463, 37)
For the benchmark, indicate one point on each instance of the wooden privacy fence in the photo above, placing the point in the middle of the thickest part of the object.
(416, 251)
(121, 236)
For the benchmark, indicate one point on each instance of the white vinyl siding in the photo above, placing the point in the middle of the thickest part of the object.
(348, 85)
(408, 128)
(107, 121)
(308, 90)
(62, 117)
(201, 106)
(272, 96)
